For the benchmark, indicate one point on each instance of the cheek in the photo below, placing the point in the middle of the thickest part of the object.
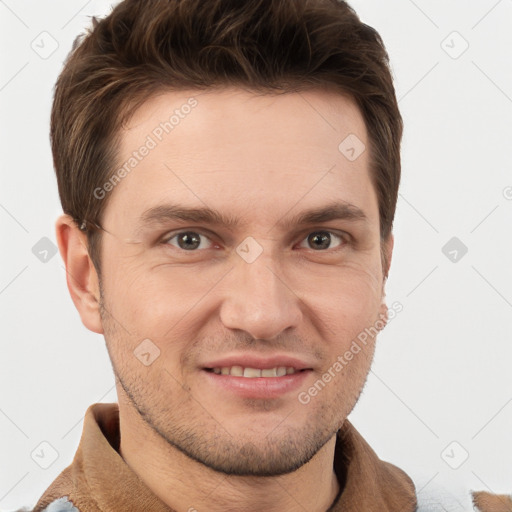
(343, 300)
(160, 302)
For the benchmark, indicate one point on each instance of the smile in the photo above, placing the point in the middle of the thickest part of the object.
(239, 371)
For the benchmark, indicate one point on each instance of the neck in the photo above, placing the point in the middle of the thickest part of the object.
(186, 485)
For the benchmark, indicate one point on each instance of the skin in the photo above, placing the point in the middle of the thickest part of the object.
(262, 159)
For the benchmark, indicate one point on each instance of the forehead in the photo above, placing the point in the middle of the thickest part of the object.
(239, 152)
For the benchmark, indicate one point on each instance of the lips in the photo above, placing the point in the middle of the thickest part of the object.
(254, 376)
(248, 365)
(251, 373)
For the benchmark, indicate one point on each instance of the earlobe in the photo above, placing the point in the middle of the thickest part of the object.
(81, 276)
(388, 252)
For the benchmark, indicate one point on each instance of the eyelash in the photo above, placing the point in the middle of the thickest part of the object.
(344, 239)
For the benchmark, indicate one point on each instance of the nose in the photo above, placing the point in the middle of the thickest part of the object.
(259, 301)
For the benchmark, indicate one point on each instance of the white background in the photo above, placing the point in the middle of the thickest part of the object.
(442, 371)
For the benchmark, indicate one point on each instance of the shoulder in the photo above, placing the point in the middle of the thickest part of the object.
(437, 496)
(440, 499)
(61, 505)
(487, 502)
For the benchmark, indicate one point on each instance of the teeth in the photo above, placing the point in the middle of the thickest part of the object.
(251, 373)
(236, 371)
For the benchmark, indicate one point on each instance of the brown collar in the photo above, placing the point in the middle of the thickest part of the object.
(369, 483)
(99, 479)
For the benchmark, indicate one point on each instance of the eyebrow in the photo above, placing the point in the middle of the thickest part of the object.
(173, 212)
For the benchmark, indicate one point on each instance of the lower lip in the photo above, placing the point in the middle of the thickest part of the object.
(258, 387)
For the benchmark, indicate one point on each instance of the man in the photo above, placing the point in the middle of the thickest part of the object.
(229, 173)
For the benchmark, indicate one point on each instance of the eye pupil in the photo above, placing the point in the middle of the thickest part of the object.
(320, 240)
(189, 240)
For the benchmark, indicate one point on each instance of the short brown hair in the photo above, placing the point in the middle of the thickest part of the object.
(276, 46)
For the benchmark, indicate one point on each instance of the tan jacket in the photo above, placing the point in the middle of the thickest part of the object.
(98, 480)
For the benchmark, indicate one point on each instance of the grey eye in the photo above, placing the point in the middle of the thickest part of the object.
(321, 240)
(187, 240)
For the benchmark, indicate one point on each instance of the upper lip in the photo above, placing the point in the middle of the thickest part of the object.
(258, 361)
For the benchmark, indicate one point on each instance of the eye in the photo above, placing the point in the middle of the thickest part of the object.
(321, 240)
(192, 240)
(187, 240)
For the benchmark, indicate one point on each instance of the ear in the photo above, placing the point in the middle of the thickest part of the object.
(387, 248)
(387, 254)
(81, 276)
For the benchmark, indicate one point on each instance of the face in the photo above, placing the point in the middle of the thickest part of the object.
(241, 259)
